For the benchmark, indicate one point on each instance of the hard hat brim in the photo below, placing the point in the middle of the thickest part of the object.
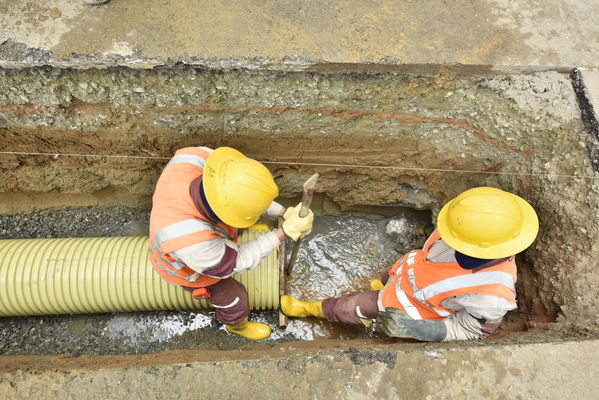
(211, 181)
(528, 233)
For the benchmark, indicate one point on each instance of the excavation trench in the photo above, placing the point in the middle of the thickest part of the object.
(387, 147)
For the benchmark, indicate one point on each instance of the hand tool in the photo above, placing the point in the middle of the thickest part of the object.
(307, 196)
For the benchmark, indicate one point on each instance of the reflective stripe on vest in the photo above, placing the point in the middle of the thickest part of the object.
(412, 278)
(440, 281)
(176, 265)
(463, 281)
(405, 302)
(457, 282)
(190, 158)
(175, 221)
(232, 304)
(182, 228)
(159, 264)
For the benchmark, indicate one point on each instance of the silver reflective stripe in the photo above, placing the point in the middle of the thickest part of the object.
(412, 277)
(359, 313)
(208, 149)
(411, 258)
(228, 305)
(188, 158)
(171, 273)
(442, 313)
(192, 278)
(463, 281)
(405, 302)
(400, 268)
(175, 265)
(182, 228)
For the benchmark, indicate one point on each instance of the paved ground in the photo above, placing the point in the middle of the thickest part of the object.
(288, 34)
(424, 371)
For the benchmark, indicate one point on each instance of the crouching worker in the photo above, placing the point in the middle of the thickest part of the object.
(458, 287)
(202, 197)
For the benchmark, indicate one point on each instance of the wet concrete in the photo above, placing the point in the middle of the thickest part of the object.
(341, 254)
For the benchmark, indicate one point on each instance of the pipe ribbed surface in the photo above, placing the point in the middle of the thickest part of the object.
(91, 275)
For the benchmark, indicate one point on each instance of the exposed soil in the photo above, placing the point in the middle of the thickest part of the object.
(434, 135)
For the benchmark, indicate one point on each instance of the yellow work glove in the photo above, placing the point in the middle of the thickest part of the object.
(376, 284)
(295, 226)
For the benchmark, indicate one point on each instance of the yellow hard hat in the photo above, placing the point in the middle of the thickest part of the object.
(238, 189)
(489, 223)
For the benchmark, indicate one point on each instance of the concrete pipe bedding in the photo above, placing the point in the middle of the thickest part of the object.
(111, 274)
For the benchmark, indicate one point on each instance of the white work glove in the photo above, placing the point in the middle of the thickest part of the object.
(295, 226)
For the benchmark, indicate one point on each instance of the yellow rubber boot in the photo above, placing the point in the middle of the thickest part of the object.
(376, 284)
(293, 307)
(250, 330)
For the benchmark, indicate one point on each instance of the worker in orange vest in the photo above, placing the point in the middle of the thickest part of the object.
(202, 198)
(459, 286)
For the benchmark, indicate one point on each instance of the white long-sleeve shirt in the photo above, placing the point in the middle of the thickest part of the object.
(206, 255)
(477, 314)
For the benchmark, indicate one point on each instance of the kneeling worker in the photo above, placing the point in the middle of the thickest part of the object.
(201, 199)
(458, 287)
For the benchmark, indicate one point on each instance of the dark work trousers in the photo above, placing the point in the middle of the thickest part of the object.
(229, 299)
(350, 307)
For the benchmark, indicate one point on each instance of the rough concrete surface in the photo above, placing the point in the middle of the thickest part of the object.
(586, 85)
(425, 371)
(591, 81)
(290, 35)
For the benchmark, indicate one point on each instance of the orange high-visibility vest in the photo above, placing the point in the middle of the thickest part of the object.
(418, 286)
(175, 222)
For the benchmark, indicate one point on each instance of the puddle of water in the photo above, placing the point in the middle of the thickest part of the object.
(341, 255)
(155, 328)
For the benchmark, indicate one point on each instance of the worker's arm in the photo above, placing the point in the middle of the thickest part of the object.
(479, 316)
(397, 323)
(274, 211)
(221, 258)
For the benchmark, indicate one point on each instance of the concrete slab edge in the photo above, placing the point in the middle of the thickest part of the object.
(18, 56)
(586, 86)
(539, 370)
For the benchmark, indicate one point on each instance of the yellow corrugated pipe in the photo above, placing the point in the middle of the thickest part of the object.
(91, 275)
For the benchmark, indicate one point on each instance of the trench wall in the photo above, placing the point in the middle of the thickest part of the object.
(513, 130)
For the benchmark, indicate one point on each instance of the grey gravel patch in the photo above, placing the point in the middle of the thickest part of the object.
(78, 222)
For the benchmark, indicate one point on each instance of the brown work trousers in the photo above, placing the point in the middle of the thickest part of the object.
(229, 299)
(350, 307)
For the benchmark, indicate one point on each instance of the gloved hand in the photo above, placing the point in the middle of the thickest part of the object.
(295, 226)
(397, 323)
